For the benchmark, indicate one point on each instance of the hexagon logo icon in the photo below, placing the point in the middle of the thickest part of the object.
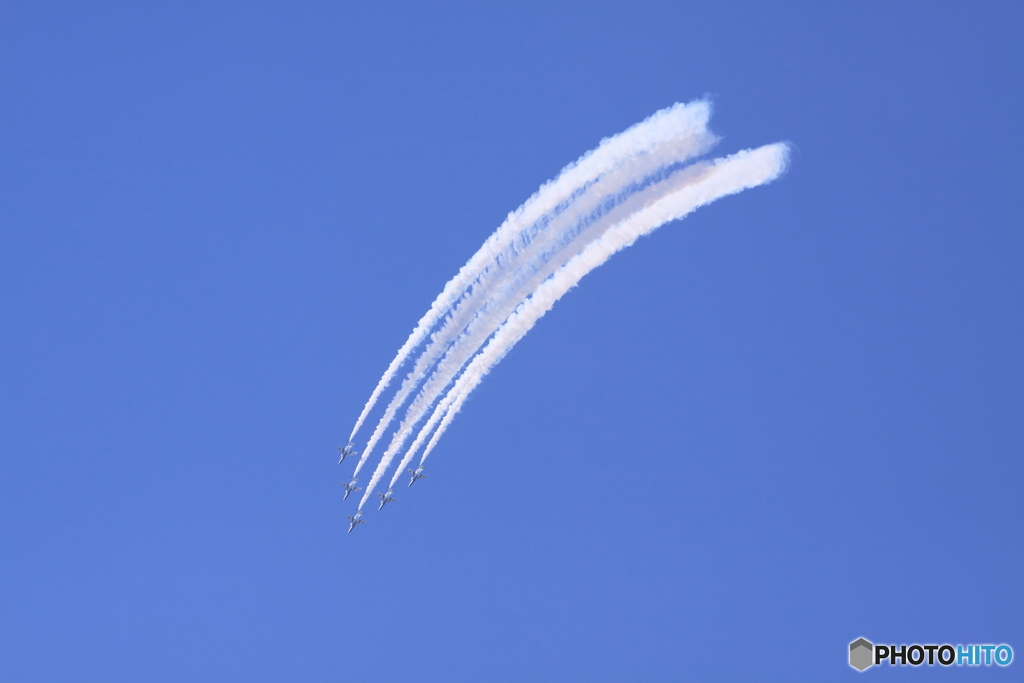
(861, 654)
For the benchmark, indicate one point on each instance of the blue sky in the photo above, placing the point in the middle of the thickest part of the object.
(791, 420)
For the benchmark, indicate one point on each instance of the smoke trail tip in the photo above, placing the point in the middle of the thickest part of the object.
(783, 151)
(776, 154)
(768, 163)
(685, 115)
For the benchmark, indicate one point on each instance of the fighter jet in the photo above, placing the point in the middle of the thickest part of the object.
(355, 520)
(351, 488)
(385, 498)
(346, 451)
(415, 474)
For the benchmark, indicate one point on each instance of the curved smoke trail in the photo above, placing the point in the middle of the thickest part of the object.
(714, 180)
(628, 186)
(684, 125)
(631, 188)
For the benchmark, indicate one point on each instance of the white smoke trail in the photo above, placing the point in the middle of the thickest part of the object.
(631, 194)
(681, 123)
(563, 246)
(722, 177)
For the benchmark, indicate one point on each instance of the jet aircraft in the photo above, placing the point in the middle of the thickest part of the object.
(385, 498)
(355, 520)
(351, 488)
(346, 451)
(415, 474)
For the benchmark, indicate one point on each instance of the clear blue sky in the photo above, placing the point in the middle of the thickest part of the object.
(791, 420)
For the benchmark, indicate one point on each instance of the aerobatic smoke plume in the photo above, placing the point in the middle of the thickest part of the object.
(630, 185)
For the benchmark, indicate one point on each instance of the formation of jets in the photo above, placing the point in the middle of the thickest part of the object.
(352, 486)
